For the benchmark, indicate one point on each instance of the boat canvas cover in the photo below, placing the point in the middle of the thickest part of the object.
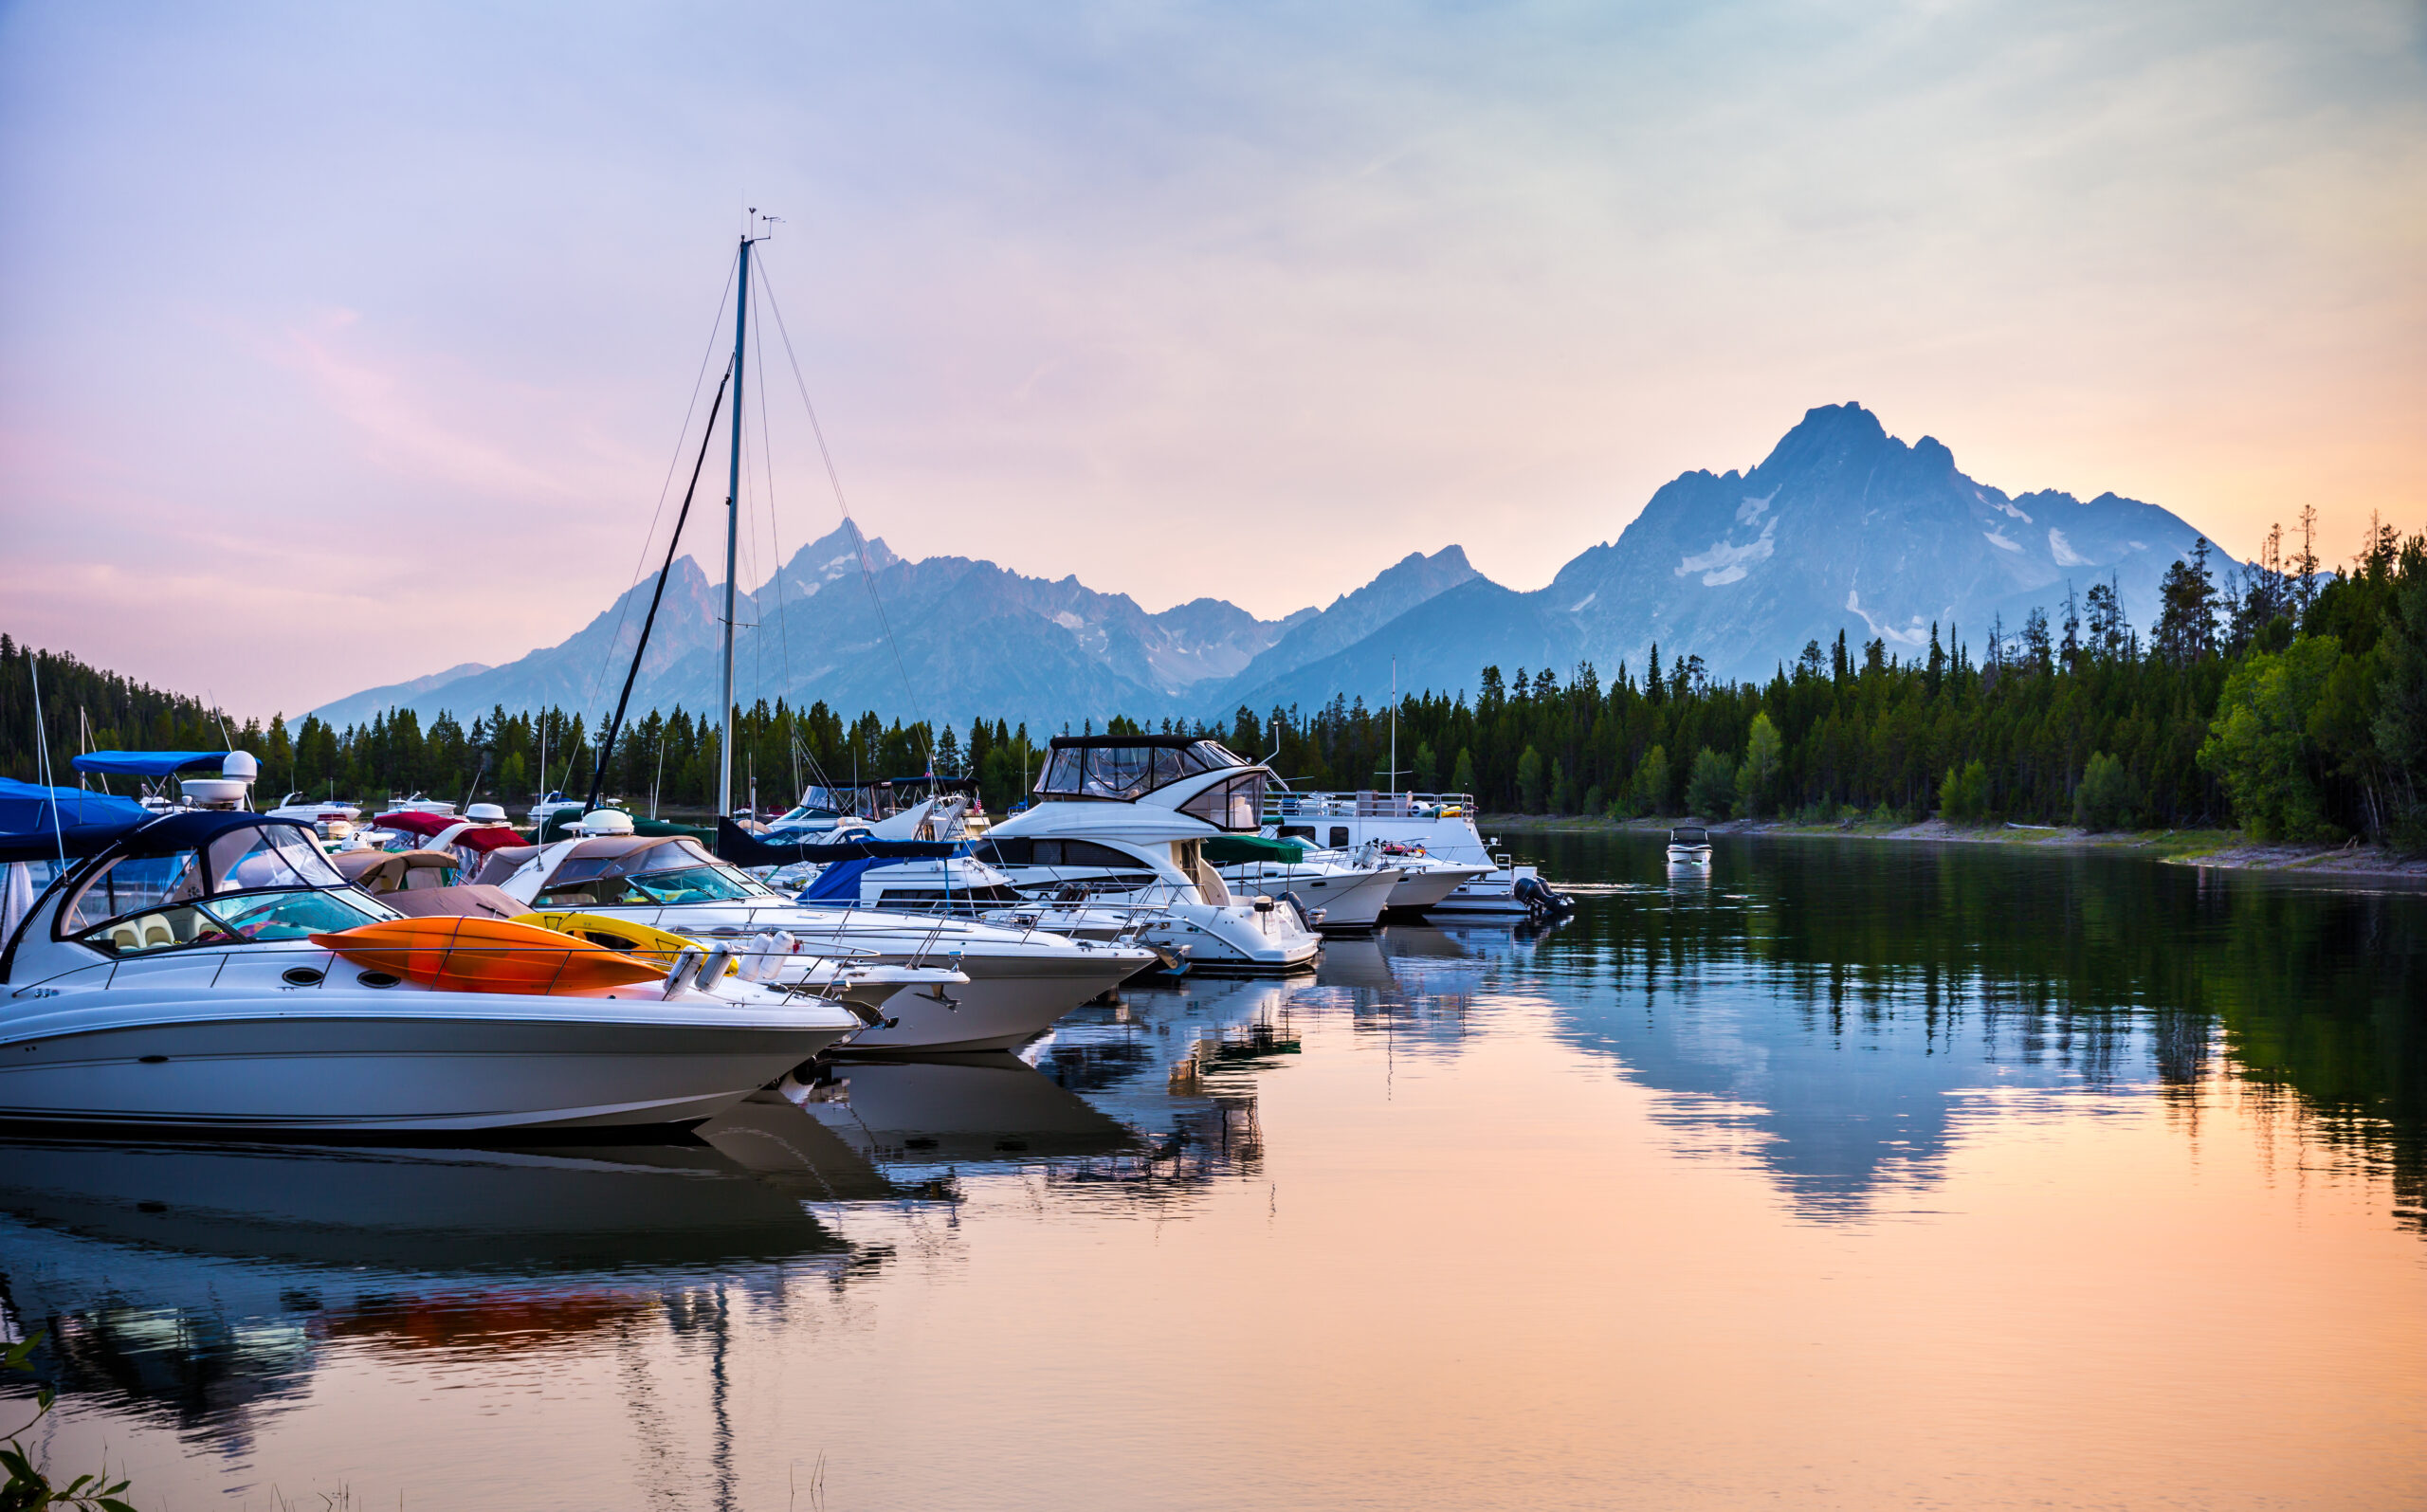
(1240, 850)
(742, 847)
(147, 763)
(36, 823)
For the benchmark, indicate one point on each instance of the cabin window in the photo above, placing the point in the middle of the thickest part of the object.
(1236, 806)
(1338, 836)
(1298, 832)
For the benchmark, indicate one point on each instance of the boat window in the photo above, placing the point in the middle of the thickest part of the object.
(133, 885)
(289, 915)
(1300, 831)
(684, 884)
(1212, 755)
(1338, 836)
(1068, 853)
(161, 929)
(1127, 772)
(271, 856)
(1235, 806)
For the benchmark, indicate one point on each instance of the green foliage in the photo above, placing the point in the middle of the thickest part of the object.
(1963, 793)
(1711, 786)
(1463, 779)
(1765, 758)
(1529, 781)
(1650, 792)
(2261, 743)
(28, 1486)
(1428, 768)
(2107, 798)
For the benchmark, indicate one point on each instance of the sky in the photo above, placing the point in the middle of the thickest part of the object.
(339, 344)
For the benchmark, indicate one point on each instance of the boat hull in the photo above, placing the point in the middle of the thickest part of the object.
(297, 1071)
(1419, 890)
(1007, 1002)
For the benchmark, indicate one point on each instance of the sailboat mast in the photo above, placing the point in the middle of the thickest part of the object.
(733, 527)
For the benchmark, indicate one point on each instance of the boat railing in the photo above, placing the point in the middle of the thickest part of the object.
(1364, 804)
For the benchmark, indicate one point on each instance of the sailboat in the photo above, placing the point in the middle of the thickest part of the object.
(1018, 981)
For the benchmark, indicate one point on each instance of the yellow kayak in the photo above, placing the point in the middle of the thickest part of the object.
(645, 942)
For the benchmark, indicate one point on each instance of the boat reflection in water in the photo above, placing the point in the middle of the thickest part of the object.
(193, 1286)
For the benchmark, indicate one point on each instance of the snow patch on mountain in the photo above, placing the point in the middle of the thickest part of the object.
(1726, 563)
(2062, 552)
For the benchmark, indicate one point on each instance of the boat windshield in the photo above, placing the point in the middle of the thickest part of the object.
(672, 871)
(234, 920)
(1123, 773)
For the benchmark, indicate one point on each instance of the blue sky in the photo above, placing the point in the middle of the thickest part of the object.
(359, 339)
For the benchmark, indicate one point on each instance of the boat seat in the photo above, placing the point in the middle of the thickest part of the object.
(157, 934)
(124, 938)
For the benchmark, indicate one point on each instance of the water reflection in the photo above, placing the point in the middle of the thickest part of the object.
(194, 1286)
(1843, 1011)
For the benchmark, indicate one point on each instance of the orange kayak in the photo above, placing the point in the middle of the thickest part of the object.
(478, 955)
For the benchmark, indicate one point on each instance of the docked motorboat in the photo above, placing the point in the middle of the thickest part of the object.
(1340, 895)
(200, 970)
(1122, 821)
(1018, 982)
(1689, 846)
(1440, 826)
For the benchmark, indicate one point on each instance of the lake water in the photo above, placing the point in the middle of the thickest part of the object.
(1842, 1175)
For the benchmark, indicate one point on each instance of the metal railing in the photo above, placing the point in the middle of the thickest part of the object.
(1366, 804)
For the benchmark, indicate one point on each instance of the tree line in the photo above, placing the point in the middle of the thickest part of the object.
(2285, 699)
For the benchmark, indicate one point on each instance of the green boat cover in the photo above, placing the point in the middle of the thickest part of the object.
(1238, 851)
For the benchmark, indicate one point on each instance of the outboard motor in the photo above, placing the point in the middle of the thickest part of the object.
(1542, 902)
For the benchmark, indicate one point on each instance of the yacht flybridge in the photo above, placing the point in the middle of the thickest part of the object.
(1122, 821)
(211, 970)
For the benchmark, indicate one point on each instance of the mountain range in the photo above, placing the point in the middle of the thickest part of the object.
(1842, 527)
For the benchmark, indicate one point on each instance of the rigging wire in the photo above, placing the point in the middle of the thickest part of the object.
(775, 536)
(859, 542)
(673, 464)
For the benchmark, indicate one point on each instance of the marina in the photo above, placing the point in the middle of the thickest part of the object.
(1790, 1204)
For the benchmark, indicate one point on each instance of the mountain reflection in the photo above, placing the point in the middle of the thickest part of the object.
(1842, 1009)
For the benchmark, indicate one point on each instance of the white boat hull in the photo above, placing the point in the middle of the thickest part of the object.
(275, 1064)
(1016, 988)
(1006, 1004)
(1350, 899)
(1420, 891)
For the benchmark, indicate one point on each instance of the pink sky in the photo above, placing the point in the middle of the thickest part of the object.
(336, 348)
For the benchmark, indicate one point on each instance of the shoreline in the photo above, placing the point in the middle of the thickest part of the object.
(2228, 850)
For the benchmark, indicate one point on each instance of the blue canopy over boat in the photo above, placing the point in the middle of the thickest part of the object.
(744, 849)
(147, 763)
(36, 823)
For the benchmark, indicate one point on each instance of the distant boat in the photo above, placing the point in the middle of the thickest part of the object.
(1690, 844)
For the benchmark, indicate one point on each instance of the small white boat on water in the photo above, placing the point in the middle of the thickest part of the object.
(169, 981)
(1689, 846)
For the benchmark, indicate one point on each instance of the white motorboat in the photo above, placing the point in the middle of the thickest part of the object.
(1018, 982)
(1122, 821)
(1440, 825)
(1340, 895)
(169, 981)
(1689, 846)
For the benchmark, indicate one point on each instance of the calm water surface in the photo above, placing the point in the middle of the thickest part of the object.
(1844, 1174)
